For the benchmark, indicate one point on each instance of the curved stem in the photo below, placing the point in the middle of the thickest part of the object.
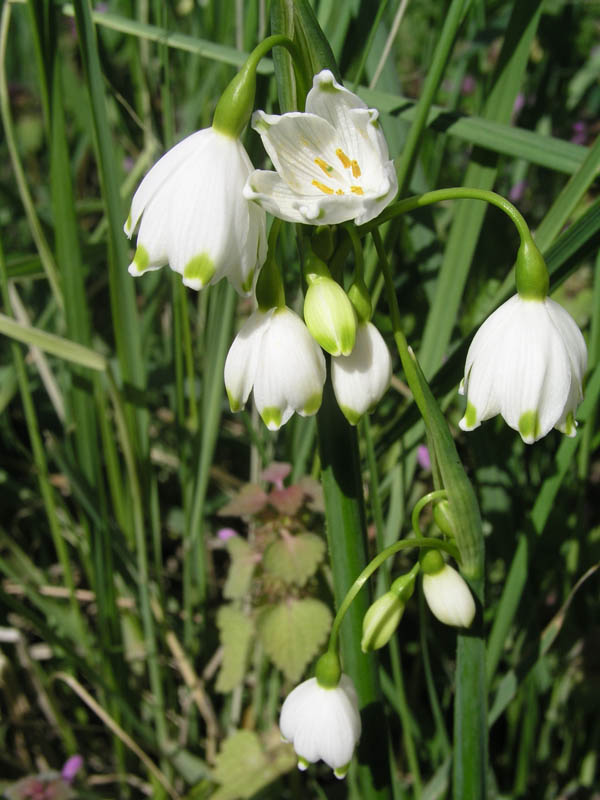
(428, 498)
(404, 544)
(454, 193)
(277, 40)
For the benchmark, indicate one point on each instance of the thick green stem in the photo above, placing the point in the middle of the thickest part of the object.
(344, 510)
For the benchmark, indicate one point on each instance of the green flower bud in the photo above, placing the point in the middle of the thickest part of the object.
(381, 620)
(443, 518)
(330, 317)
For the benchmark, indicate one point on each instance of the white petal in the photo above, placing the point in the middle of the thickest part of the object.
(449, 598)
(242, 359)
(295, 142)
(572, 339)
(536, 372)
(291, 370)
(275, 196)
(162, 172)
(360, 379)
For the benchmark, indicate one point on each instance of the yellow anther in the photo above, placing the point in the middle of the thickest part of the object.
(343, 158)
(327, 168)
(322, 187)
(355, 190)
(356, 173)
(339, 191)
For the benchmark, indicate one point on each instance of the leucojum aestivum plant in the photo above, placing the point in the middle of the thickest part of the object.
(204, 210)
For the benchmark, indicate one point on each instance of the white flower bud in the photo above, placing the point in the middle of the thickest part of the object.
(448, 597)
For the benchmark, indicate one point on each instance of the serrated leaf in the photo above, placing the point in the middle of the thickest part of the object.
(241, 569)
(294, 559)
(246, 765)
(236, 633)
(250, 500)
(287, 500)
(292, 633)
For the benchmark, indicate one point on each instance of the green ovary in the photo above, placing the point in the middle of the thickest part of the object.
(529, 425)
(200, 268)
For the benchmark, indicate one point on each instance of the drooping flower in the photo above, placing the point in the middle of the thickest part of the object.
(332, 162)
(275, 355)
(193, 216)
(526, 363)
(322, 723)
(361, 378)
(448, 597)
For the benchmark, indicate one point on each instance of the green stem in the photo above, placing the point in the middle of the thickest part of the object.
(270, 291)
(453, 193)
(404, 544)
(428, 498)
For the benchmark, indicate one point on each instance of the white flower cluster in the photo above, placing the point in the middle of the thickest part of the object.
(201, 209)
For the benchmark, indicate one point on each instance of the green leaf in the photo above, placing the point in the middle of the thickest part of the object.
(292, 632)
(243, 561)
(236, 632)
(246, 765)
(294, 559)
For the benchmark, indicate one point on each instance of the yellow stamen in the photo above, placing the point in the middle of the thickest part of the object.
(322, 187)
(356, 173)
(327, 168)
(355, 190)
(343, 158)
(339, 191)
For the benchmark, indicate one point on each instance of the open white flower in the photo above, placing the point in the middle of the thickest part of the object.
(527, 363)
(194, 216)
(448, 597)
(275, 354)
(322, 723)
(360, 379)
(332, 160)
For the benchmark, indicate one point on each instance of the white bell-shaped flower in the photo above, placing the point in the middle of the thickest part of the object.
(527, 363)
(322, 723)
(275, 355)
(332, 162)
(448, 597)
(194, 216)
(361, 378)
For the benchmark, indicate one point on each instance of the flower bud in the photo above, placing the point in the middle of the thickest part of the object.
(448, 596)
(443, 518)
(329, 316)
(380, 621)
(384, 615)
